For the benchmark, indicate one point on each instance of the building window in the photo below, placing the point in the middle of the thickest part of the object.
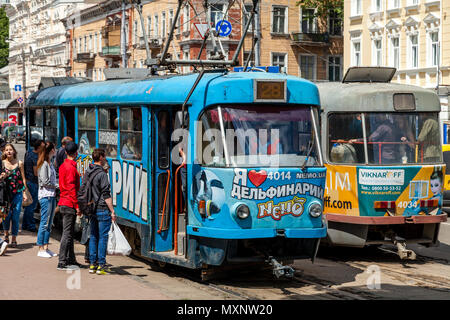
(156, 26)
(95, 43)
(186, 22)
(216, 13)
(394, 3)
(414, 51)
(80, 45)
(246, 14)
(356, 55)
(279, 60)
(279, 20)
(163, 25)
(90, 43)
(377, 52)
(434, 41)
(149, 26)
(307, 67)
(85, 44)
(252, 58)
(395, 53)
(356, 7)
(309, 23)
(170, 19)
(335, 24)
(74, 47)
(376, 5)
(135, 32)
(334, 68)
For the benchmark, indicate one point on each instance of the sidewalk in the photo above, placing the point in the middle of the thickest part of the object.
(26, 276)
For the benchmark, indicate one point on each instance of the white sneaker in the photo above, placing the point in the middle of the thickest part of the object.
(50, 252)
(43, 254)
(3, 248)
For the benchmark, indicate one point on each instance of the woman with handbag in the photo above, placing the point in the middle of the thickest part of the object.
(46, 196)
(16, 185)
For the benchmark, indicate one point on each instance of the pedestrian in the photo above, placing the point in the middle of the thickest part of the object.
(30, 162)
(2, 149)
(61, 154)
(69, 183)
(46, 195)
(104, 214)
(86, 226)
(15, 183)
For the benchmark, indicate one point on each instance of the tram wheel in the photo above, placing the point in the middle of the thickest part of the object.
(162, 264)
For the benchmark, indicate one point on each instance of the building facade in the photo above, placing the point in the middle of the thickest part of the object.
(294, 39)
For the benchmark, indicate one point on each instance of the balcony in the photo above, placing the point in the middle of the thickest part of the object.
(153, 43)
(319, 39)
(112, 51)
(86, 57)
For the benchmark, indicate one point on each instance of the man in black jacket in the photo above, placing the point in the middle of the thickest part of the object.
(101, 221)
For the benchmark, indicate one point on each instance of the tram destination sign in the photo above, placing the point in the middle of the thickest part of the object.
(269, 90)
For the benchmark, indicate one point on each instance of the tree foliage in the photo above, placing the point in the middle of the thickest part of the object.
(323, 7)
(4, 34)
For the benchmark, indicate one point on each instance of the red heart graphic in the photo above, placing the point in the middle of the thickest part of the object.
(257, 178)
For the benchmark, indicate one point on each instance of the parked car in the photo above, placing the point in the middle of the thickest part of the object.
(6, 131)
(7, 124)
(16, 134)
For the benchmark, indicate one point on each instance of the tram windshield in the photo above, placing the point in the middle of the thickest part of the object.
(258, 136)
(391, 138)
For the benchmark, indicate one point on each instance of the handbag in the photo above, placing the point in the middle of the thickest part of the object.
(29, 198)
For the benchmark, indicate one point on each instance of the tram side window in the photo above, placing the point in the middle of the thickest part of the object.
(341, 129)
(108, 133)
(131, 133)
(163, 139)
(50, 126)
(36, 124)
(86, 130)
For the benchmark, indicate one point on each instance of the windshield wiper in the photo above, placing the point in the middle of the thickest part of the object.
(310, 147)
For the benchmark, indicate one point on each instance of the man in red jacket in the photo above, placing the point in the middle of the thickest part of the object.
(69, 183)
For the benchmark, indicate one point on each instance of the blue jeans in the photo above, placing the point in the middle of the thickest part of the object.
(28, 222)
(48, 205)
(98, 242)
(14, 214)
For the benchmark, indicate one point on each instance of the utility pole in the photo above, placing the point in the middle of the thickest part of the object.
(123, 34)
(258, 35)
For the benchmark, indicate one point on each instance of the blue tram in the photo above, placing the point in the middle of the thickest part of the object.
(252, 185)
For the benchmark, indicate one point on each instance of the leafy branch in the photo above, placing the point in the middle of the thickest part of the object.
(323, 7)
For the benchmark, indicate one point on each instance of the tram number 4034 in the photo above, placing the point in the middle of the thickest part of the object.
(407, 204)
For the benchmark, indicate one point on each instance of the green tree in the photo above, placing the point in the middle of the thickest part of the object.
(4, 34)
(323, 7)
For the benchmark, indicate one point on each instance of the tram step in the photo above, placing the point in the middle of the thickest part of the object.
(181, 237)
(181, 222)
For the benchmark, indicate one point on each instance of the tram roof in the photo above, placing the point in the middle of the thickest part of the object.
(221, 88)
(357, 96)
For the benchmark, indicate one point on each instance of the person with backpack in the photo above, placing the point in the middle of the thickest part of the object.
(69, 184)
(95, 199)
(46, 195)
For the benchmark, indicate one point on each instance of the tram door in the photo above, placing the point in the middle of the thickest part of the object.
(67, 122)
(163, 175)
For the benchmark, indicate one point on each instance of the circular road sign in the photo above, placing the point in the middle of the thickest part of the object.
(225, 28)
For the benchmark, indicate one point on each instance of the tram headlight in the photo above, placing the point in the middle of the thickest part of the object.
(242, 211)
(315, 210)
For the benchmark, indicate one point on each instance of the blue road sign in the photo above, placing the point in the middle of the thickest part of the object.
(17, 87)
(225, 28)
(20, 100)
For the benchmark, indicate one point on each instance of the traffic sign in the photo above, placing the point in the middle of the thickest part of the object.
(201, 28)
(20, 100)
(17, 87)
(225, 28)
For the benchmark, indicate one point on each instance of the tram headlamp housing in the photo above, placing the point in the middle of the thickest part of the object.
(242, 211)
(315, 210)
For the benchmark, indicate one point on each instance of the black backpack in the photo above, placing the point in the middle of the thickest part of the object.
(5, 196)
(85, 195)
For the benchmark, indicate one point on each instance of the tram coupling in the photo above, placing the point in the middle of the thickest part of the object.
(279, 270)
(402, 252)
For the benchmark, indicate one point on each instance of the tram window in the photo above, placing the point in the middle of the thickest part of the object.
(50, 125)
(268, 136)
(108, 133)
(131, 133)
(162, 185)
(36, 124)
(86, 130)
(163, 139)
(342, 128)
